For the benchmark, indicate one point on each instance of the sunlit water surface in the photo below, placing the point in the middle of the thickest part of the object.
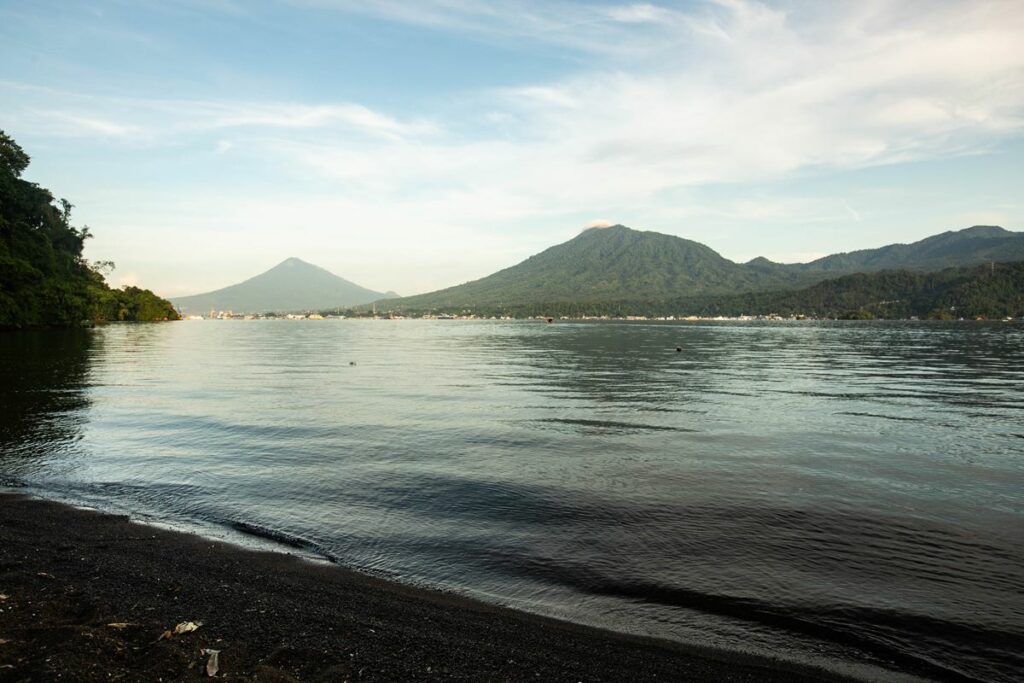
(850, 494)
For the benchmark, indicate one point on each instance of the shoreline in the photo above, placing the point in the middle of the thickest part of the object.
(68, 573)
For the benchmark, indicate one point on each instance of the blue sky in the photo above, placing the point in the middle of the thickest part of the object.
(415, 145)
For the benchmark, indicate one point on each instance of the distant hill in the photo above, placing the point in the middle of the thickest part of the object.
(622, 264)
(982, 290)
(292, 285)
(972, 246)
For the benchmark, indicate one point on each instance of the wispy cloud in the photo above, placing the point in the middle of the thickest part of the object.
(67, 124)
(787, 91)
(894, 93)
(212, 115)
(640, 13)
(591, 28)
(69, 113)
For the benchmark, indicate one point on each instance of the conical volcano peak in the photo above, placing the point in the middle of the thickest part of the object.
(291, 285)
(294, 262)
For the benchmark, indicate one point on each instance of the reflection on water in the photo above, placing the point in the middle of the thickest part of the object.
(43, 401)
(846, 493)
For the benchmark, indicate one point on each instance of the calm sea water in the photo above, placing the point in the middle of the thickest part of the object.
(850, 494)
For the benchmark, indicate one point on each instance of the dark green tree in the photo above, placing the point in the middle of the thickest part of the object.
(44, 279)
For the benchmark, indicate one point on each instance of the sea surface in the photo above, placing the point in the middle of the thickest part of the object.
(845, 494)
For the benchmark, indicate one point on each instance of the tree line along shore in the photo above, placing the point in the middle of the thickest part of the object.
(44, 278)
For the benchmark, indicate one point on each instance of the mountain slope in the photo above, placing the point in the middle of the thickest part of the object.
(292, 285)
(952, 292)
(605, 264)
(972, 246)
(621, 264)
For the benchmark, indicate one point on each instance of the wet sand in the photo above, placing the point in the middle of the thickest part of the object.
(86, 597)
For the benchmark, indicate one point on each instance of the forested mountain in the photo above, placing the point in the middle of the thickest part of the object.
(618, 264)
(992, 291)
(44, 279)
(975, 245)
(292, 285)
(609, 264)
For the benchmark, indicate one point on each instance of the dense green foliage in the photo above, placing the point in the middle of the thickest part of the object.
(602, 268)
(992, 291)
(44, 280)
(131, 303)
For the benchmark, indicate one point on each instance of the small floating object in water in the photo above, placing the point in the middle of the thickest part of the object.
(551, 320)
(679, 349)
(351, 362)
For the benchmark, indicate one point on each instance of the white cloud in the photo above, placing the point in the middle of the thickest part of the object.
(55, 112)
(69, 124)
(640, 13)
(592, 28)
(854, 214)
(279, 115)
(786, 92)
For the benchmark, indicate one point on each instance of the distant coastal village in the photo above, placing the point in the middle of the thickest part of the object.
(229, 315)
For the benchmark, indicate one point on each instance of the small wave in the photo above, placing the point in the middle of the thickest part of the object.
(281, 537)
(844, 625)
(899, 418)
(609, 424)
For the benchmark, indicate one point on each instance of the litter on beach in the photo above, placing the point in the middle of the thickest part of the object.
(213, 663)
(187, 627)
(183, 627)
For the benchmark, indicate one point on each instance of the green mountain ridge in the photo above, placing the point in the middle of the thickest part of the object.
(991, 291)
(292, 285)
(972, 246)
(606, 264)
(985, 291)
(622, 264)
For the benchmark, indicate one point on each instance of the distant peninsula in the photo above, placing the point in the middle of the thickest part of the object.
(44, 279)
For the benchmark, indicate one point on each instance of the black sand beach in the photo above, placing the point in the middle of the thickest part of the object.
(86, 597)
